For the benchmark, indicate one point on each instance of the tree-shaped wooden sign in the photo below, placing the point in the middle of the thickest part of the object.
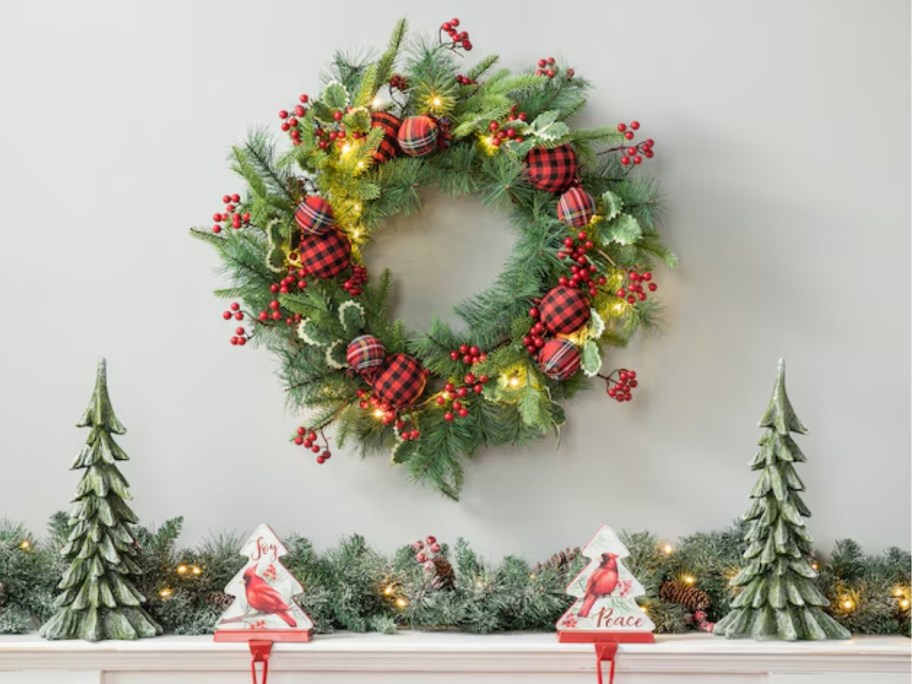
(605, 611)
(263, 607)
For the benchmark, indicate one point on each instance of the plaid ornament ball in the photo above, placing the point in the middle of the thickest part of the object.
(314, 215)
(418, 136)
(551, 170)
(559, 359)
(389, 146)
(575, 207)
(401, 381)
(365, 353)
(564, 310)
(325, 256)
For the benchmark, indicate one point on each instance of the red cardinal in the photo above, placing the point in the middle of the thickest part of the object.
(262, 597)
(601, 583)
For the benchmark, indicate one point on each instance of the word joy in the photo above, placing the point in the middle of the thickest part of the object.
(264, 549)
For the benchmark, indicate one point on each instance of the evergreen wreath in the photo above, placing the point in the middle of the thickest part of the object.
(579, 276)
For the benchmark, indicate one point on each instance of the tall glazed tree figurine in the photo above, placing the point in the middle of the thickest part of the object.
(779, 598)
(97, 599)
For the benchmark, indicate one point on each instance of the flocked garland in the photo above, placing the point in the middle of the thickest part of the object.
(579, 277)
(352, 586)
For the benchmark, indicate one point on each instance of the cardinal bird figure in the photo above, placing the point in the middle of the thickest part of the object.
(265, 599)
(601, 583)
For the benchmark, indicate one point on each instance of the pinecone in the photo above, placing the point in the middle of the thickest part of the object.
(560, 562)
(219, 599)
(692, 598)
(445, 576)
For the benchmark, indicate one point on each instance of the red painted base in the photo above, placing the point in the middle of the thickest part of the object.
(594, 637)
(262, 635)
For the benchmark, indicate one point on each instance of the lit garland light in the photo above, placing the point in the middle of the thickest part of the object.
(904, 603)
(165, 592)
(667, 549)
(182, 569)
(401, 602)
(689, 580)
(847, 604)
(25, 545)
(196, 570)
(389, 590)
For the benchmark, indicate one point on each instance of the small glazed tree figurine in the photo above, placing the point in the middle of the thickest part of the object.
(98, 601)
(779, 598)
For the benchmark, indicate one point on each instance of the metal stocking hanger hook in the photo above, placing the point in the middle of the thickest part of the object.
(603, 651)
(259, 653)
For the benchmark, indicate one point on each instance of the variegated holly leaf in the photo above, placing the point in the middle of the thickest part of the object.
(335, 96)
(596, 325)
(275, 254)
(547, 129)
(591, 359)
(335, 355)
(404, 450)
(351, 316)
(624, 229)
(612, 205)
(312, 334)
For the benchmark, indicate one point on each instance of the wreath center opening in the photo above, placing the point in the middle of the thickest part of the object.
(447, 251)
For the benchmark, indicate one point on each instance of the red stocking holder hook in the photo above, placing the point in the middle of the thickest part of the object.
(259, 653)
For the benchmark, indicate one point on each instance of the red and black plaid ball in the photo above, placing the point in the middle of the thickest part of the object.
(325, 256)
(401, 381)
(575, 207)
(559, 359)
(365, 353)
(552, 170)
(564, 310)
(389, 146)
(418, 136)
(314, 215)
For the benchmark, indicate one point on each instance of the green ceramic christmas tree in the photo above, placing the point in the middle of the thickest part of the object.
(98, 600)
(779, 598)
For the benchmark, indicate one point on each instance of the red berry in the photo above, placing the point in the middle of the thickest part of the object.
(239, 316)
(303, 98)
(454, 355)
(299, 440)
(629, 135)
(542, 63)
(235, 198)
(337, 115)
(283, 114)
(463, 412)
(622, 127)
(625, 160)
(277, 315)
(234, 306)
(455, 21)
(631, 299)
(638, 159)
(474, 351)
(239, 331)
(550, 73)
(534, 312)
(234, 340)
(414, 434)
(448, 417)
(550, 60)
(216, 229)
(634, 125)
(321, 460)
(226, 315)
(446, 26)
(652, 287)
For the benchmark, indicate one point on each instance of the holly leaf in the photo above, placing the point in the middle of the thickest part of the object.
(335, 96)
(624, 229)
(335, 355)
(275, 254)
(322, 112)
(547, 129)
(404, 450)
(612, 205)
(596, 325)
(591, 359)
(312, 334)
(358, 119)
(351, 316)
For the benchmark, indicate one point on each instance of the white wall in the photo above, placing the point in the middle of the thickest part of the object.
(782, 133)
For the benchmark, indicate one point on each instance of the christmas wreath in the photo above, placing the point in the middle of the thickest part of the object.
(580, 275)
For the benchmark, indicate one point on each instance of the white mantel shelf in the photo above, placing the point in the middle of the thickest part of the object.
(414, 656)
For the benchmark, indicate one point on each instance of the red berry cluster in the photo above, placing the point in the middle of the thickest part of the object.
(504, 131)
(407, 430)
(633, 289)
(465, 80)
(548, 67)
(336, 134)
(399, 82)
(291, 120)
(307, 438)
(270, 572)
(454, 394)
(458, 38)
(621, 388)
(370, 402)
(425, 550)
(240, 337)
(469, 355)
(635, 153)
(230, 216)
(582, 271)
(535, 340)
(353, 284)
